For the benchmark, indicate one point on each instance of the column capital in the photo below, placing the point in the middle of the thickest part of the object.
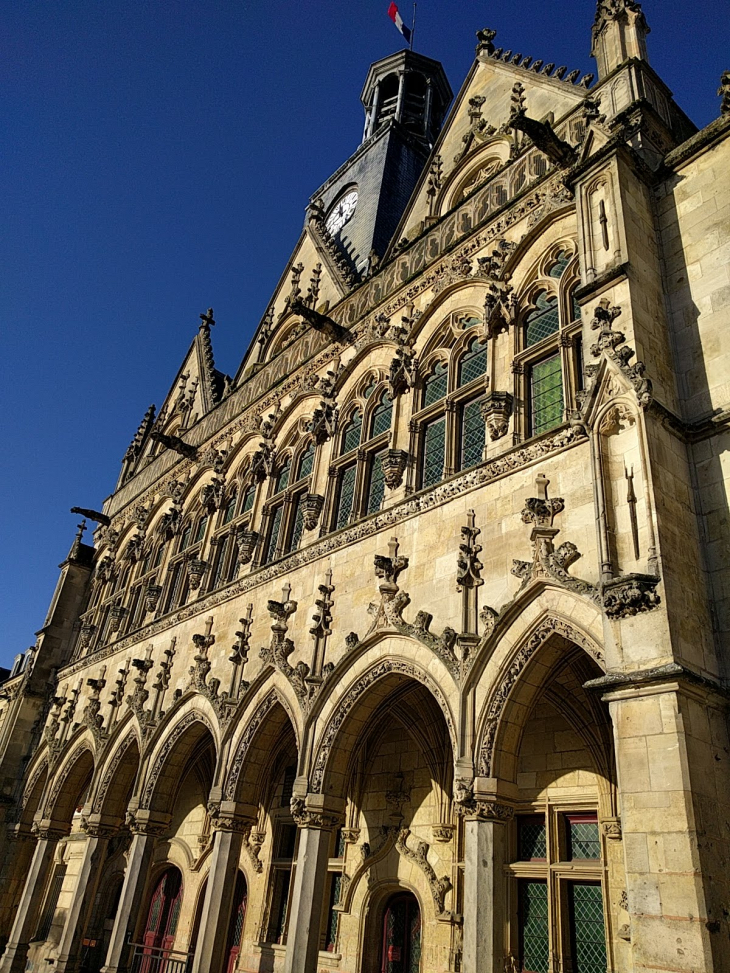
(100, 825)
(150, 823)
(317, 811)
(481, 810)
(47, 830)
(232, 816)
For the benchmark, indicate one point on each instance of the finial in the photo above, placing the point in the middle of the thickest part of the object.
(541, 485)
(207, 318)
(393, 548)
(82, 528)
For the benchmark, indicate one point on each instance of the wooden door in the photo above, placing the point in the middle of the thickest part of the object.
(235, 929)
(401, 949)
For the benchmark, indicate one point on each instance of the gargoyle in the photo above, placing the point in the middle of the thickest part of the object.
(95, 515)
(176, 444)
(542, 134)
(320, 322)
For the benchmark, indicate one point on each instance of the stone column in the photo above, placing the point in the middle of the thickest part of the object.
(317, 818)
(145, 828)
(484, 885)
(229, 824)
(665, 762)
(87, 884)
(14, 957)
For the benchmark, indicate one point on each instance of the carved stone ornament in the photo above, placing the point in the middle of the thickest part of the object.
(443, 833)
(116, 617)
(403, 371)
(262, 462)
(492, 267)
(547, 562)
(85, 636)
(611, 344)
(496, 408)
(152, 596)
(311, 507)
(438, 886)
(246, 541)
(479, 128)
(611, 828)
(501, 308)
(477, 809)
(459, 268)
(318, 818)
(196, 570)
(394, 464)
(724, 92)
(630, 595)
(277, 652)
(212, 494)
(323, 424)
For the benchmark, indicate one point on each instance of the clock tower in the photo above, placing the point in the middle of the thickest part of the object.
(358, 208)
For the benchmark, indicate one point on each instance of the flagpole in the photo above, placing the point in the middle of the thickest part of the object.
(413, 31)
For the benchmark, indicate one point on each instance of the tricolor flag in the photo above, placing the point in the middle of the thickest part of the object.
(398, 21)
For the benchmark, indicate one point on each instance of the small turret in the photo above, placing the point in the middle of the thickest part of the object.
(407, 88)
(619, 33)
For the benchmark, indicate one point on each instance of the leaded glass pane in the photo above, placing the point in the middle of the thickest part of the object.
(561, 262)
(186, 535)
(589, 937)
(248, 499)
(220, 563)
(351, 435)
(468, 322)
(381, 416)
(534, 934)
(531, 839)
(333, 917)
(546, 393)
(347, 495)
(472, 434)
(273, 534)
(282, 478)
(473, 364)
(583, 840)
(298, 528)
(369, 389)
(435, 385)
(200, 533)
(230, 511)
(434, 442)
(543, 321)
(306, 462)
(376, 488)
(574, 308)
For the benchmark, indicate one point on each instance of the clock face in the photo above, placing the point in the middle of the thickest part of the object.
(342, 212)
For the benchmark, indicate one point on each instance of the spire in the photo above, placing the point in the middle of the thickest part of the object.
(619, 33)
(142, 431)
(209, 373)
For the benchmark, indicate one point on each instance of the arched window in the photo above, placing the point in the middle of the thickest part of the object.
(544, 320)
(229, 511)
(306, 462)
(473, 363)
(282, 476)
(562, 259)
(352, 432)
(187, 533)
(200, 532)
(249, 495)
(435, 385)
(381, 416)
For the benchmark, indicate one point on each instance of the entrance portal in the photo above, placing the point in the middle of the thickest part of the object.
(164, 911)
(401, 951)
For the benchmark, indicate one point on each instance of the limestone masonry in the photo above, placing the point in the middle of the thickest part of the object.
(406, 647)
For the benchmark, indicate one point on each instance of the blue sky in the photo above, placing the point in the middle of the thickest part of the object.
(157, 160)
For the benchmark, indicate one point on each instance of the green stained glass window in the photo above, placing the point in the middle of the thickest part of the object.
(159, 556)
(306, 462)
(186, 535)
(534, 930)
(200, 532)
(583, 839)
(562, 260)
(472, 434)
(546, 394)
(434, 442)
(376, 487)
(574, 308)
(230, 511)
(332, 915)
(369, 388)
(346, 497)
(531, 839)
(282, 477)
(468, 322)
(248, 499)
(435, 385)
(588, 935)
(352, 432)
(221, 560)
(543, 321)
(381, 416)
(272, 539)
(473, 364)
(298, 528)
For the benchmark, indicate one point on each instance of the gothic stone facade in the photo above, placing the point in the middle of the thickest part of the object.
(403, 649)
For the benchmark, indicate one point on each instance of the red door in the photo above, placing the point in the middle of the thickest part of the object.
(401, 952)
(163, 915)
(235, 929)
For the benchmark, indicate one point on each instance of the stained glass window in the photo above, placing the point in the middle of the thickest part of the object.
(272, 539)
(282, 477)
(186, 535)
(298, 528)
(369, 388)
(583, 839)
(534, 930)
(574, 308)
(562, 259)
(248, 499)
(473, 364)
(543, 321)
(531, 839)
(332, 915)
(381, 416)
(200, 532)
(376, 487)
(546, 394)
(306, 462)
(434, 442)
(346, 497)
(230, 510)
(472, 434)
(352, 432)
(435, 385)
(221, 560)
(588, 935)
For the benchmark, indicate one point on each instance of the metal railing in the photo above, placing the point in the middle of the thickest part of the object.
(150, 959)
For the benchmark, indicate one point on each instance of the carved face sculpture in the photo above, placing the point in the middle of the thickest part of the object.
(342, 212)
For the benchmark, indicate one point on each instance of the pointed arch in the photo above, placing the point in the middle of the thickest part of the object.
(176, 745)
